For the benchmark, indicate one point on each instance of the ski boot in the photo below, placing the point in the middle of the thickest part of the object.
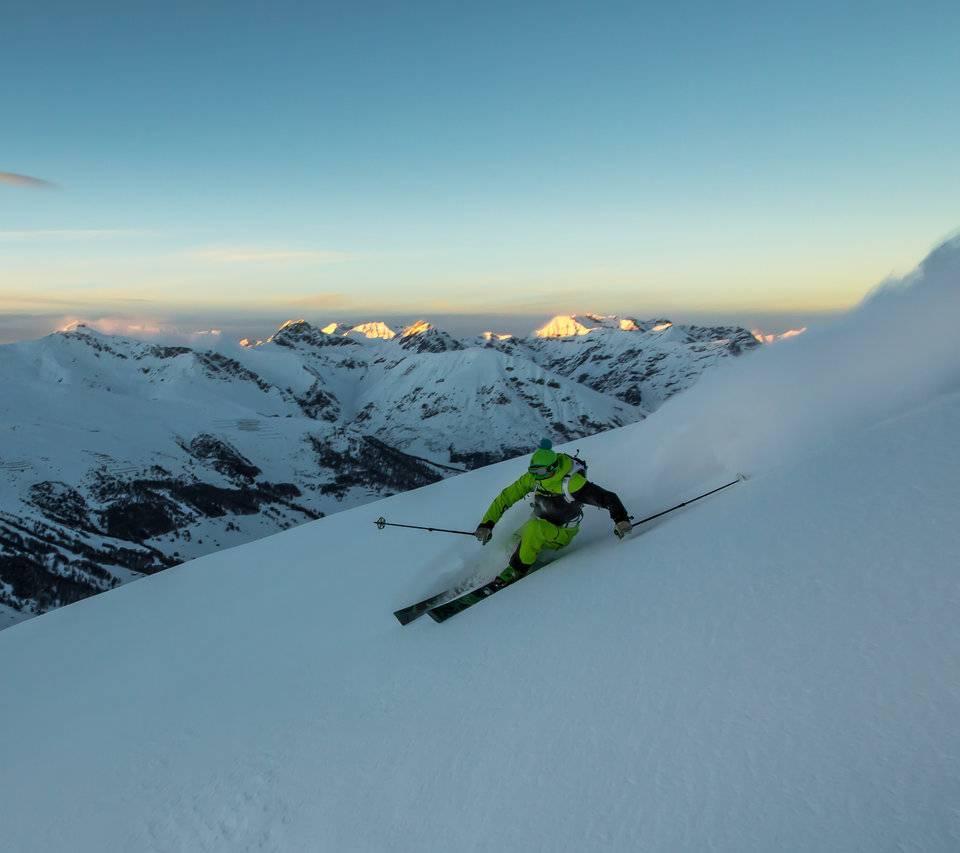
(515, 570)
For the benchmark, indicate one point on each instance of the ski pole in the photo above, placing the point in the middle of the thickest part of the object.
(740, 478)
(382, 522)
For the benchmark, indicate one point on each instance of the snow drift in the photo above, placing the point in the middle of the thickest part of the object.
(899, 347)
(774, 669)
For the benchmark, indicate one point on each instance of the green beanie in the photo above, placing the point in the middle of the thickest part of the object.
(544, 460)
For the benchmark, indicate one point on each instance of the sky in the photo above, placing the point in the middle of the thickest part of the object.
(239, 162)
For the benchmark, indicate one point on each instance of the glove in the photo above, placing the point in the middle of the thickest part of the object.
(484, 533)
(622, 528)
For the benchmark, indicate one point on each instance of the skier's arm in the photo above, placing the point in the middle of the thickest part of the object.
(516, 491)
(590, 493)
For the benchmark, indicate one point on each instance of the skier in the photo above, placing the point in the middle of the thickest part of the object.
(561, 488)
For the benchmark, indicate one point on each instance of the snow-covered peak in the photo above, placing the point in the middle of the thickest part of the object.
(290, 330)
(80, 336)
(296, 332)
(616, 322)
(572, 325)
(78, 328)
(502, 342)
(377, 330)
(421, 336)
(74, 326)
(420, 327)
(562, 326)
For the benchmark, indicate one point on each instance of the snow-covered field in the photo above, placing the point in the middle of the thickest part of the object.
(776, 668)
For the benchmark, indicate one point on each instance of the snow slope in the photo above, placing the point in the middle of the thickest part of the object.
(776, 668)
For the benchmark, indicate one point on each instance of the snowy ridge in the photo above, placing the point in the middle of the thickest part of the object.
(573, 325)
(773, 668)
(123, 457)
(766, 338)
(640, 362)
(424, 337)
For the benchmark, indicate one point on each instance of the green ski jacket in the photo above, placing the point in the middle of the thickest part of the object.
(559, 499)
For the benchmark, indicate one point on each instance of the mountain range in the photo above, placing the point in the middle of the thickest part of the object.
(122, 457)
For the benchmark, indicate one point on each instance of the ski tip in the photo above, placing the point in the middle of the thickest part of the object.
(408, 614)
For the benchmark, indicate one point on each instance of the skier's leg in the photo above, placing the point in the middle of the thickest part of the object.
(536, 534)
(516, 568)
(564, 537)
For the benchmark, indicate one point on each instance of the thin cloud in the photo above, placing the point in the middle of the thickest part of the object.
(143, 328)
(14, 180)
(19, 301)
(256, 255)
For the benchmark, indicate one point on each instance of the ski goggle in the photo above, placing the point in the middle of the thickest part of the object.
(541, 472)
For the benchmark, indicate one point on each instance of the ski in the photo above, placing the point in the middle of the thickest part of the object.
(405, 615)
(442, 612)
(459, 600)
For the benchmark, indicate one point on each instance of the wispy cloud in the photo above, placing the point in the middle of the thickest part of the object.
(143, 328)
(13, 301)
(40, 234)
(263, 255)
(14, 180)
(89, 301)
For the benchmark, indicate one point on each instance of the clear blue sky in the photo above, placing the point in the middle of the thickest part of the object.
(318, 158)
